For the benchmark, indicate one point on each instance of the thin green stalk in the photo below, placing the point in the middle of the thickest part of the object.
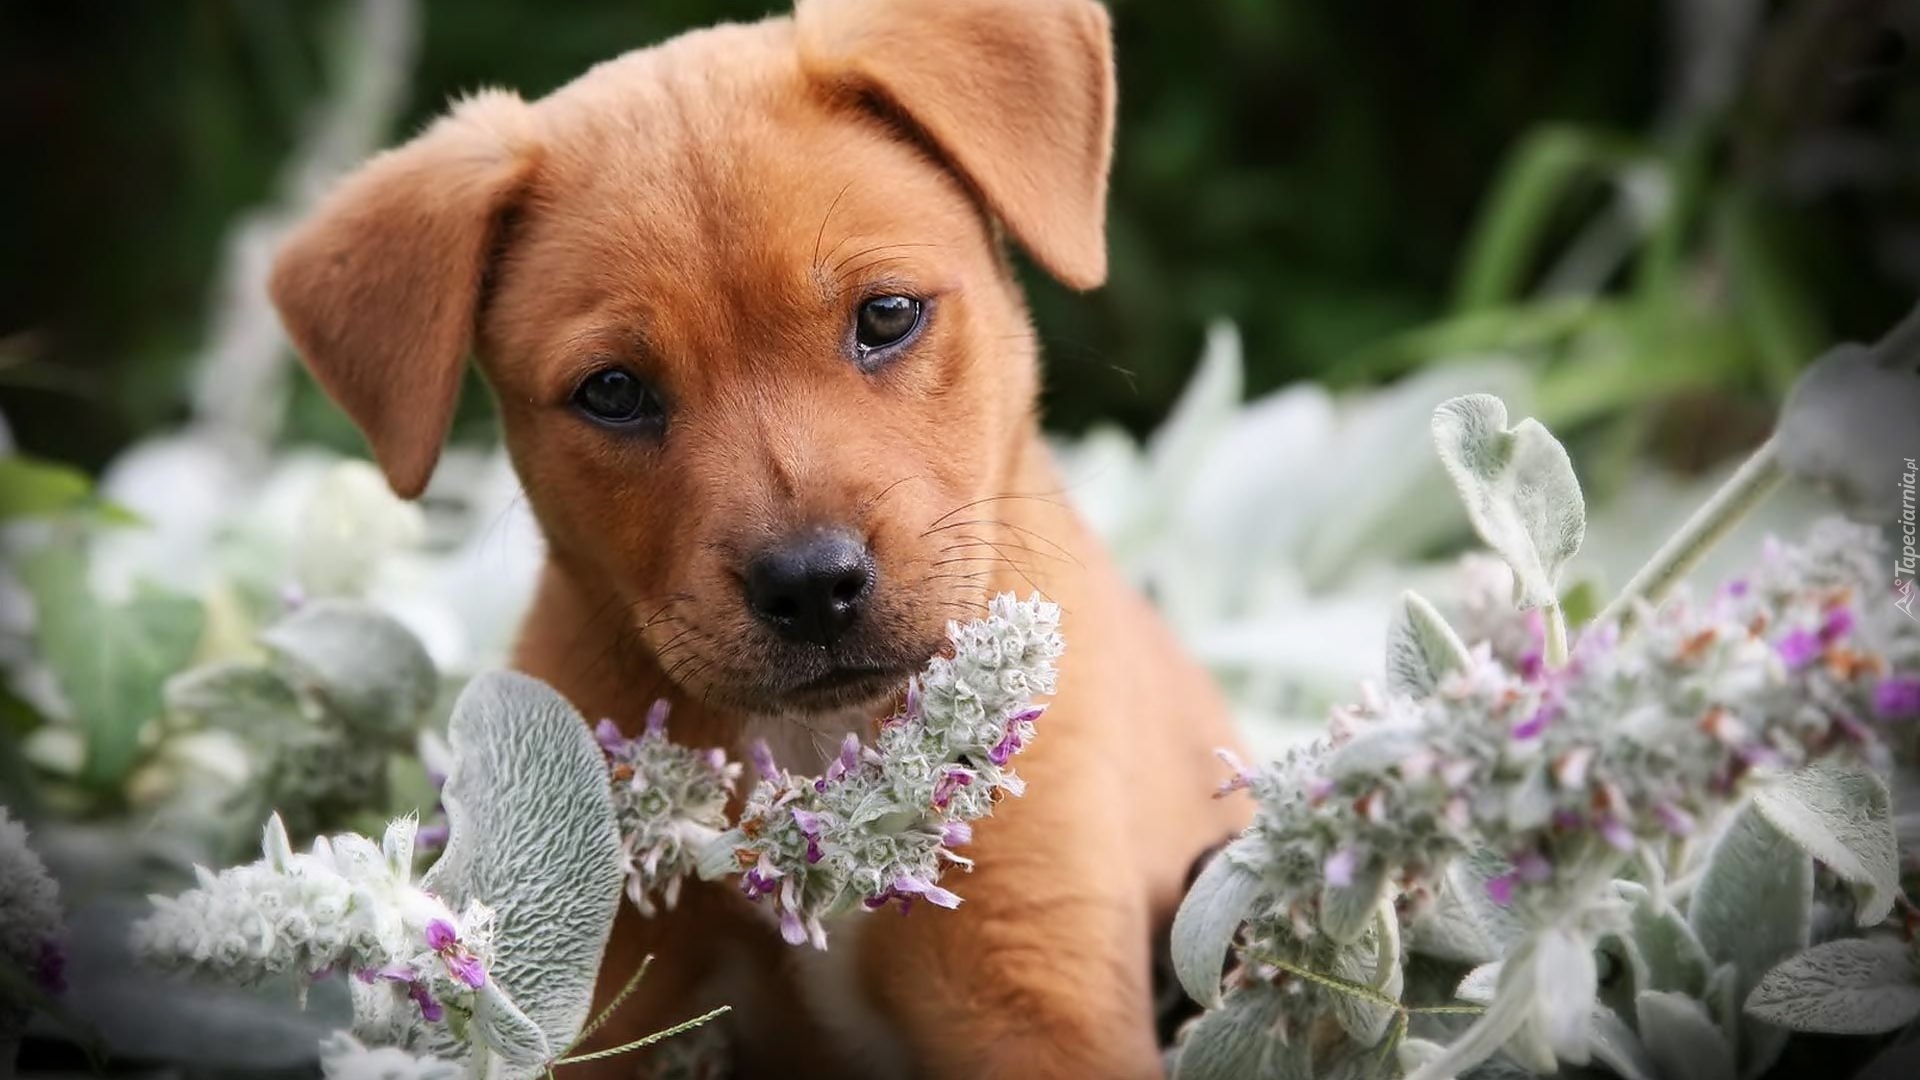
(1334, 983)
(641, 1044)
(1366, 993)
(1749, 486)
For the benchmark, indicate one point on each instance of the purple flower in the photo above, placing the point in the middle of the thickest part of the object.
(756, 883)
(441, 935)
(1897, 697)
(956, 833)
(934, 894)
(467, 968)
(1758, 756)
(50, 967)
(1533, 726)
(1798, 649)
(1533, 662)
(1532, 867)
(1500, 889)
(442, 938)
(911, 711)
(401, 973)
(1009, 745)
(1615, 833)
(950, 781)
(1673, 819)
(1339, 868)
(657, 717)
(433, 837)
(810, 825)
(847, 762)
(762, 756)
(609, 737)
(1242, 777)
(430, 1010)
(792, 930)
(1735, 588)
(1019, 725)
(1839, 624)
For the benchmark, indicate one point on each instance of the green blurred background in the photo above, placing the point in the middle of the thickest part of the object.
(1668, 205)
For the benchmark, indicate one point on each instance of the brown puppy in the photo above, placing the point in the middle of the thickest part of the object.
(769, 381)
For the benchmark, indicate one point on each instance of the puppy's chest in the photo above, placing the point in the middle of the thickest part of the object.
(825, 986)
(826, 983)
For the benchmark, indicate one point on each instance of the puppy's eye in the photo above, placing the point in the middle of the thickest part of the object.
(614, 396)
(886, 320)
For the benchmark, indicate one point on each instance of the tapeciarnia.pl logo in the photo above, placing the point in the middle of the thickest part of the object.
(1904, 589)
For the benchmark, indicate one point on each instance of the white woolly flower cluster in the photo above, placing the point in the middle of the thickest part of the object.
(30, 928)
(343, 1057)
(1568, 772)
(670, 801)
(883, 821)
(348, 905)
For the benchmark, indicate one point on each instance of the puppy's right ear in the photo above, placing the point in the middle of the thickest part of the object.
(380, 288)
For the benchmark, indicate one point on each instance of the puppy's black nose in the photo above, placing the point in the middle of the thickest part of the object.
(811, 588)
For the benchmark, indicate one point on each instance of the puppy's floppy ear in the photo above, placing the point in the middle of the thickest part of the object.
(379, 290)
(1018, 95)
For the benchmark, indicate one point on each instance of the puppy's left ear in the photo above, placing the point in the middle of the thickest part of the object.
(1018, 95)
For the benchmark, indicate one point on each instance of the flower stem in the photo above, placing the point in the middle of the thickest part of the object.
(1749, 486)
(1480, 1041)
(639, 1044)
(1556, 650)
(613, 1006)
(1386, 970)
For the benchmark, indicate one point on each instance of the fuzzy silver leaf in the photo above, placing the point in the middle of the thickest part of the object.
(1859, 986)
(534, 836)
(1751, 910)
(1421, 647)
(368, 668)
(1681, 1038)
(1841, 814)
(1239, 1041)
(1519, 488)
(1207, 921)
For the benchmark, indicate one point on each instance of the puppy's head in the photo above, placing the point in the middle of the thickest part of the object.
(743, 304)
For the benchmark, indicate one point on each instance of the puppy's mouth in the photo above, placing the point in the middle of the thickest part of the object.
(842, 686)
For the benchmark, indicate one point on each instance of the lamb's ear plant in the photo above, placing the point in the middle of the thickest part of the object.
(339, 690)
(1647, 795)
(483, 968)
(882, 824)
(33, 947)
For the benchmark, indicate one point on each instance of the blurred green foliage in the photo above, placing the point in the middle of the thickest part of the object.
(1363, 186)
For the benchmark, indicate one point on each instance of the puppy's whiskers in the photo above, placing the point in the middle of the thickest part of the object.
(822, 234)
